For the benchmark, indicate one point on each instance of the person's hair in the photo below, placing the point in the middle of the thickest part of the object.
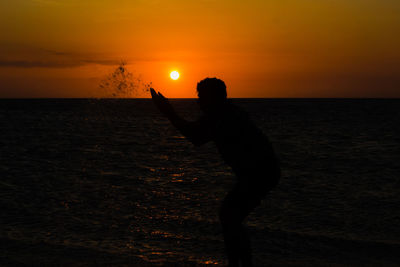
(212, 88)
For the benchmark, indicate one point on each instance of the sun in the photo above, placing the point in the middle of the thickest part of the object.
(174, 75)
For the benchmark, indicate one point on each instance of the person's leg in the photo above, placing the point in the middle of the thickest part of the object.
(230, 230)
(246, 255)
(235, 208)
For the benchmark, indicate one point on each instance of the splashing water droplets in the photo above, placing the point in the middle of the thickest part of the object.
(121, 83)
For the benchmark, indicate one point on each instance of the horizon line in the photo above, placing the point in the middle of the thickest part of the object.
(181, 98)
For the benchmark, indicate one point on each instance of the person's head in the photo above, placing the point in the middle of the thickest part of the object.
(212, 94)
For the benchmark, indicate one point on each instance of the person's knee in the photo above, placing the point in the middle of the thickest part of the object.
(229, 218)
(224, 216)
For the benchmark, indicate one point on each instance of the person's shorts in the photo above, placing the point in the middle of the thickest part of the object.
(239, 202)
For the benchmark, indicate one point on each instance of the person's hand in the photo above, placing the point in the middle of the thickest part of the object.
(161, 103)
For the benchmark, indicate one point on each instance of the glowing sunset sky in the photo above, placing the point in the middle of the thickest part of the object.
(277, 48)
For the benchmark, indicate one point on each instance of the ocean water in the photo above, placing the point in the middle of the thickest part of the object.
(111, 182)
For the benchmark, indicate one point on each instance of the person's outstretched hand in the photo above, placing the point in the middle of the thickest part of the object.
(162, 103)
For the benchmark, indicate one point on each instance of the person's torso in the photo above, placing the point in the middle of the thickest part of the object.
(244, 147)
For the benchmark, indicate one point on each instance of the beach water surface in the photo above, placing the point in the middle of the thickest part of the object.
(111, 182)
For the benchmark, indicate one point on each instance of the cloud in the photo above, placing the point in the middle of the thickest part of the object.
(50, 2)
(27, 56)
(54, 63)
(19, 56)
(35, 64)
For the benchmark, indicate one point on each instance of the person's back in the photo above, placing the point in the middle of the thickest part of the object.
(243, 146)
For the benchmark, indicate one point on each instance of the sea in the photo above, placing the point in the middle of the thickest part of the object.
(110, 182)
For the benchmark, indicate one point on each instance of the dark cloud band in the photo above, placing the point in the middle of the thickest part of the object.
(54, 63)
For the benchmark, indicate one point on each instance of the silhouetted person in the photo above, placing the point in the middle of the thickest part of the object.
(243, 147)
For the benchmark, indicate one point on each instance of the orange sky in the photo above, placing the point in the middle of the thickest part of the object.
(277, 48)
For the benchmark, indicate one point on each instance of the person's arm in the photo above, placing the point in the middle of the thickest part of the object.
(195, 132)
